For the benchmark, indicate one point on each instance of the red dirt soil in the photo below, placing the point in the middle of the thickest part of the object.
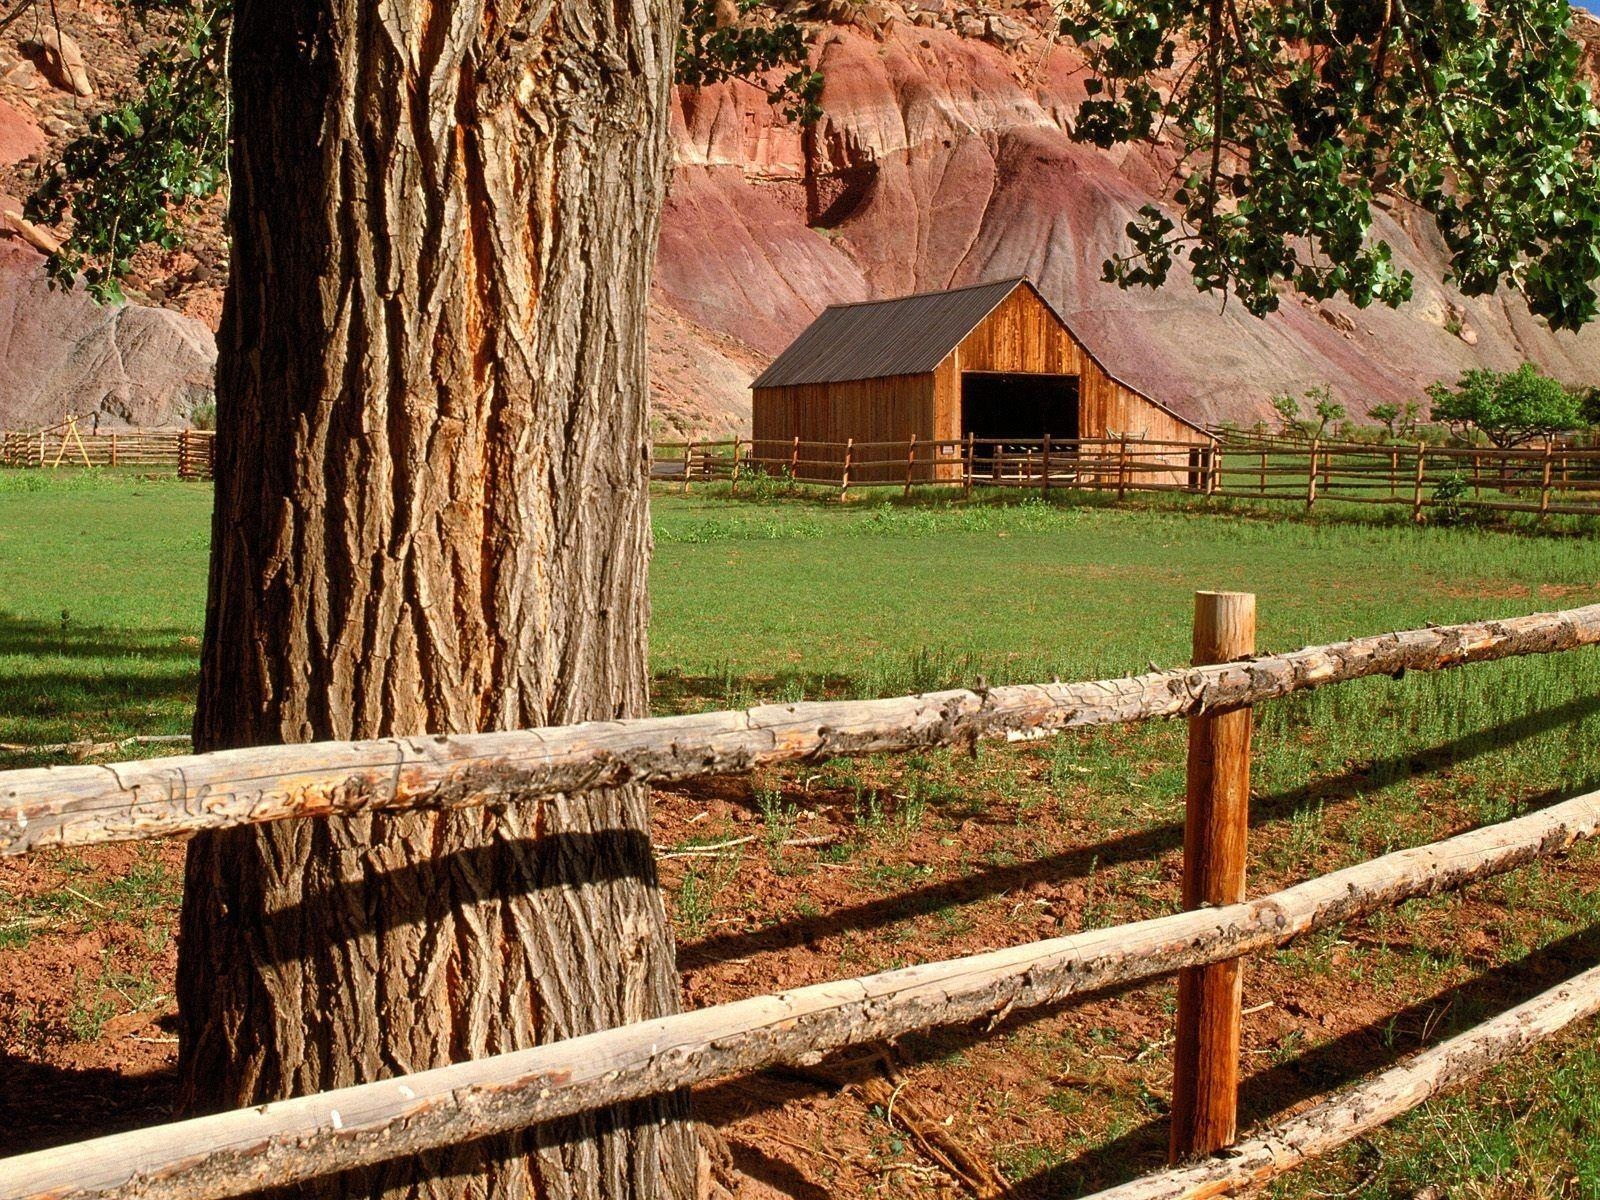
(896, 870)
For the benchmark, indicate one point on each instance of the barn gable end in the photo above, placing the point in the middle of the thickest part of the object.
(883, 371)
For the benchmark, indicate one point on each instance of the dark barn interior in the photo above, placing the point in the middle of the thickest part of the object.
(1013, 405)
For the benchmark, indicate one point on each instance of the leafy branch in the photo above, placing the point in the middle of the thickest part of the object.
(722, 42)
(1293, 118)
(127, 179)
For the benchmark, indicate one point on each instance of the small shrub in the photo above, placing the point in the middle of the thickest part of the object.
(1448, 504)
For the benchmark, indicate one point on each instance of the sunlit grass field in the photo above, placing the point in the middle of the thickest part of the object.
(102, 586)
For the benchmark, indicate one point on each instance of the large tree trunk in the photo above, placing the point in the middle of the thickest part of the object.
(432, 515)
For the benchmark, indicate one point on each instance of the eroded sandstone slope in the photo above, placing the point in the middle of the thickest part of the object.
(943, 159)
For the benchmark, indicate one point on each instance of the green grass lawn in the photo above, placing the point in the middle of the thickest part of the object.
(102, 594)
(102, 583)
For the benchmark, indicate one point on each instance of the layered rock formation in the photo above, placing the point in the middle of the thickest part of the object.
(944, 159)
(60, 353)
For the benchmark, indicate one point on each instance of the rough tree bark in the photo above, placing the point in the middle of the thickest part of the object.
(431, 515)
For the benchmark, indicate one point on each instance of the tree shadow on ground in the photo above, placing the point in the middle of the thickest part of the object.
(43, 1105)
(1333, 1064)
(1132, 847)
(32, 638)
(72, 683)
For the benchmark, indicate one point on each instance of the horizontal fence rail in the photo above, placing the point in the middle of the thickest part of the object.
(1359, 1110)
(80, 805)
(1544, 480)
(290, 1141)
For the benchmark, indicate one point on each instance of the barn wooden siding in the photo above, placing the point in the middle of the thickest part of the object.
(890, 409)
(1022, 334)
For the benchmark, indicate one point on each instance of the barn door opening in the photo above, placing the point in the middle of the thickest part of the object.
(1016, 411)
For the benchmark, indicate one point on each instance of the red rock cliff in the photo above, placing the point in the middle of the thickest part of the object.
(943, 159)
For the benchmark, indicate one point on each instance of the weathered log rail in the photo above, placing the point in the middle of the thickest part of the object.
(291, 1141)
(1359, 1110)
(299, 1139)
(154, 798)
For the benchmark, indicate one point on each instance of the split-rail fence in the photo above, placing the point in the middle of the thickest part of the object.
(187, 453)
(1414, 476)
(1424, 479)
(293, 1140)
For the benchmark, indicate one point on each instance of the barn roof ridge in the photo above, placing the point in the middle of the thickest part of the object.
(897, 335)
(965, 287)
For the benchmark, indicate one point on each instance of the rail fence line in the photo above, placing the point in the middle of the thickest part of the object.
(297, 1139)
(1542, 480)
(164, 797)
(289, 1141)
(187, 453)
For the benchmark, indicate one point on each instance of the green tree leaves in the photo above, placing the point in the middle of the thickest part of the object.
(1292, 118)
(126, 180)
(748, 44)
(1509, 408)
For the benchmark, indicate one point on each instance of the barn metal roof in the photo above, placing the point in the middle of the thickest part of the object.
(910, 335)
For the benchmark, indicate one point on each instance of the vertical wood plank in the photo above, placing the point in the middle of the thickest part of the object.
(1416, 491)
(1544, 490)
(1216, 833)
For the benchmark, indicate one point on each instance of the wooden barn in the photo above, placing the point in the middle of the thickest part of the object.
(993, 361)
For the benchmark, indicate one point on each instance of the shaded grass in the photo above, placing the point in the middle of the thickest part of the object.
(102, 598)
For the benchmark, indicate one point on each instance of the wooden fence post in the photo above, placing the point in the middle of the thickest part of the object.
(1263, 474)
(1205, 1085)
(1045, 478)
(688, 464)
(844, 476)
(911, 461)
(183, 454)
(733, 472)
(794, 459)
(1311, 478)
(972, 465)
(1394, 474)
(113, 447)
(1122, 467)
(1416, 492)
(1544, 490)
